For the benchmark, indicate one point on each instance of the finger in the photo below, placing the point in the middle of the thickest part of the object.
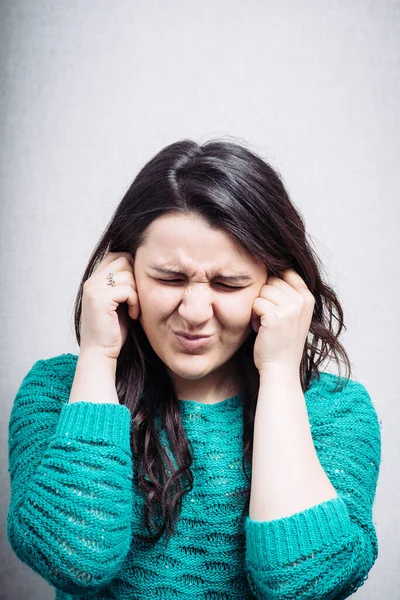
(124, 278)
(262, 308)
(278, 284)
(120, 262)
(111, 257)
(276, 295)
(294, 280)
(291, 283)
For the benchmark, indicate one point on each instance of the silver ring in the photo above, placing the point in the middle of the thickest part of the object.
(110, 279)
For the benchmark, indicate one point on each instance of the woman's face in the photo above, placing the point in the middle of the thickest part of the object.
(197, 300)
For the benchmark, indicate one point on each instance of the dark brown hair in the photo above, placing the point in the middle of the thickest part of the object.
(233, 189)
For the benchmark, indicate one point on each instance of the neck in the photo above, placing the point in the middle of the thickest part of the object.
(212, 389)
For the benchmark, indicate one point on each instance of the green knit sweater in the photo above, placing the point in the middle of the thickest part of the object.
(74, 507)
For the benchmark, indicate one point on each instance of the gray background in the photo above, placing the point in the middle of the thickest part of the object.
(91, 90)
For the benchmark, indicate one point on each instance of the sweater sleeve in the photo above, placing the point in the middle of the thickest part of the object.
(70, 467)
(327, 550)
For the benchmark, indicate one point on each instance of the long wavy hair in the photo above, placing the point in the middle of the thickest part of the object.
(234, 189)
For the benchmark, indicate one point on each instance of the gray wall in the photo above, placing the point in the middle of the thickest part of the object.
(91, 90)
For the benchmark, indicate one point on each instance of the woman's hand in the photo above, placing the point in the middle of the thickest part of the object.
(281, 316)
(107, 310)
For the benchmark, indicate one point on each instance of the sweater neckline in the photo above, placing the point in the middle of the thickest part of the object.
(195, 406)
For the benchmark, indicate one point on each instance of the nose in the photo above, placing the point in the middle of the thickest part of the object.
(196, 306)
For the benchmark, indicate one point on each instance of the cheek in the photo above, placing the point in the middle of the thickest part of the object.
(153, 299)
(240, 321)
(237, 313)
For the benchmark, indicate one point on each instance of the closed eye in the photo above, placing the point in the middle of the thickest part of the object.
(224, 285)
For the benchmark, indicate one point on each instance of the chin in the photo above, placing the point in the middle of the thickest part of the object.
(194, 371)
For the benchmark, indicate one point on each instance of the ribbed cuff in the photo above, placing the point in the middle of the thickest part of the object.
(284, 540)
(97, 422)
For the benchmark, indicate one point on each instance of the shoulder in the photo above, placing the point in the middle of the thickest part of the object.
(60, 369)
(330, 385)
(44, 389)
(342, 402)
(60, 363)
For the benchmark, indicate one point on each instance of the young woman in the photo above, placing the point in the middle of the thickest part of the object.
(195, 448)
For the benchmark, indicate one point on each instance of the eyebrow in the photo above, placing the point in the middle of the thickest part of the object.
(241, 277)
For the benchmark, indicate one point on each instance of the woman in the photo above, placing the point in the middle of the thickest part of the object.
(254, 470)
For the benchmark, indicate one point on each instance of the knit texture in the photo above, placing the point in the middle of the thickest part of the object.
(74, 506)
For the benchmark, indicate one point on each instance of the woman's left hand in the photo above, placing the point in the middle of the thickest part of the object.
(281, 316)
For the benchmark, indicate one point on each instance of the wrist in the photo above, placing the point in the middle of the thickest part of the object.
(95, 356)
(94, 379)
(275, 369)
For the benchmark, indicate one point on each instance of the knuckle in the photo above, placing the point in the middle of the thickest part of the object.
(310, 298)
(128, 262)
(86, 285)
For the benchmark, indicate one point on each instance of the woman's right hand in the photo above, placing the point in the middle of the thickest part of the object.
(105, 319)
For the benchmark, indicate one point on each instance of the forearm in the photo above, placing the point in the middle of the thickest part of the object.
(287, 476)
(94, 379)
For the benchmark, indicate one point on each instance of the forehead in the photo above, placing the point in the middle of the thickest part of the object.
(188, 243)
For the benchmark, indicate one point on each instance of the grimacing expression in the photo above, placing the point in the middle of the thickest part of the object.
(184, 274)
